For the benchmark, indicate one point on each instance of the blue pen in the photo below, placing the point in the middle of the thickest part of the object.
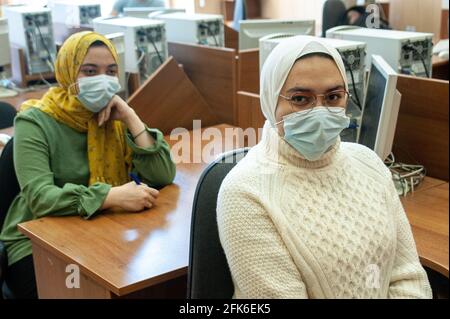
(135, 178)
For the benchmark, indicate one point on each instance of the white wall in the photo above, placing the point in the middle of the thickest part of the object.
(422, 15)
(294, 9)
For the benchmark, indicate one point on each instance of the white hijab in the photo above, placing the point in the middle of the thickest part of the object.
(280, 62)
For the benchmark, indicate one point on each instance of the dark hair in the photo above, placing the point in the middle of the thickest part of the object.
(98, 43)
(360, 9)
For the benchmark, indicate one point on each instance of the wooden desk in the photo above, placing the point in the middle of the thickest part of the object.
(168, 100)
(248, 71)
(444, 24)
(428, 211)
(231, 36)
(213, 72)
(253, 8)
(17, 100)
(440, 68)
(118, 254)
(422, 126)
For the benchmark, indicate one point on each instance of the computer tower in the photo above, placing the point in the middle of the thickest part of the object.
(145, 42)
(118, 40)
(148, 12)
(202, 29)
(75, 14)
(70, 18)
(406, 52)
(31, 29)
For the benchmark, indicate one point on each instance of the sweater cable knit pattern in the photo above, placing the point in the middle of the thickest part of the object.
(334, 228)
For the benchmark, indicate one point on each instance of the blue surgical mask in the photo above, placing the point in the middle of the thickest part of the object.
(95, 92)
(313, 132)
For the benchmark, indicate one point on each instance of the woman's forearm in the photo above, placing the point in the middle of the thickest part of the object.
(136, 127)
(110, 200)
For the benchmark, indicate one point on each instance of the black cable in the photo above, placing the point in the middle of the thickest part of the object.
(413, 48)
(206, 26)
(427, 73)
(358, 101)
(49, 58)
(156, 49)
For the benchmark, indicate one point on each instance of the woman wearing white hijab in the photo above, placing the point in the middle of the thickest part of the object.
(304, 215)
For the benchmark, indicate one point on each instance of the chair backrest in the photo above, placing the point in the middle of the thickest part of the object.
(208, 275)
(9, 186)
(333, 15)
(7, 115)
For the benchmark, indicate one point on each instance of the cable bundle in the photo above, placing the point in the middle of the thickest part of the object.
(406, 177)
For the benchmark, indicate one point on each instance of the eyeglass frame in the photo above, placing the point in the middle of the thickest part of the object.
(291, 103)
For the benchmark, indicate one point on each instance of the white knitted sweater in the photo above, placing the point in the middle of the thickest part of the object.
(334, 228)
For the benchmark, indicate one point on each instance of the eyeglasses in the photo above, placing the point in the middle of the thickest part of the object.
(333, 101)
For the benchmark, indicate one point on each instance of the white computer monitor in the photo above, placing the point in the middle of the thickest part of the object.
(381, 108)
(146, 12)
(252, 30)
(5, 55)
(5, 59)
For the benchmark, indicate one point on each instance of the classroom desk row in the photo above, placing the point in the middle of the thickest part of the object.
(145, 255)
(122, 255)
(428, 210)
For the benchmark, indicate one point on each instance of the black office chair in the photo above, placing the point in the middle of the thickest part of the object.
(208, 275)
(9, 188)
(7, 115)
(334, 14)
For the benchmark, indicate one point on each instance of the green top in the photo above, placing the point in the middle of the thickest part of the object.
(53, 172)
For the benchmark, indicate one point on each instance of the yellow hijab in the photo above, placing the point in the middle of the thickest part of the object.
(108, 154)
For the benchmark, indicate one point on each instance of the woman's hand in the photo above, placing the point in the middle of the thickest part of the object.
(131, 197)
(119, 110)
(116, 110)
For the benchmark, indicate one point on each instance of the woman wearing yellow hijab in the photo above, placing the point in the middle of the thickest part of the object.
(74, 150)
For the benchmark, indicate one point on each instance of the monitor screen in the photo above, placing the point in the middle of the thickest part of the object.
(5, 57)
(373, 108)
(252, 30)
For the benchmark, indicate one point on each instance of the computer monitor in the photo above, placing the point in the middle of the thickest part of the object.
(118, 41)
(5, 55)
(5, 59)
(379, 119)
(252, 30)
(146, 12)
